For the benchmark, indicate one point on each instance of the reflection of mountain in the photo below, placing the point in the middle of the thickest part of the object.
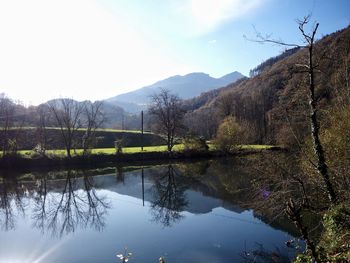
(212, 189)
(199, 200)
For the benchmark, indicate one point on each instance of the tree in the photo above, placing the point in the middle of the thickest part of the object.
(8, 140)
(294, 210)
(44, 117)
(202, 122)
(310, 68)
(227, 106)
(228, 135)
(67, 114)
(94, 119)
(321, 165)
(167, 114)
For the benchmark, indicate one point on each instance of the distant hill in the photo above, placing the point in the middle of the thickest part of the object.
(188, 86)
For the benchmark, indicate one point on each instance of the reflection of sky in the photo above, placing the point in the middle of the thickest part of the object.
(218, 235)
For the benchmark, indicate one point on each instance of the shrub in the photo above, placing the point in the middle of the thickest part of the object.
(118, 144)
(194, 143)
(228, 135)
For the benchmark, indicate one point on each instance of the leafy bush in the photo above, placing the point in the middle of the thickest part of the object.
(334, 244)
(194, 143)
(228, 135)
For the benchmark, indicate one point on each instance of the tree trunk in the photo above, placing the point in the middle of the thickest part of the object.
(322, 167)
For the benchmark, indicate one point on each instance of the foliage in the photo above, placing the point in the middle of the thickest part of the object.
(334, 244)
(193, 143)
(336, 139)
(228, 135)
(336, 237)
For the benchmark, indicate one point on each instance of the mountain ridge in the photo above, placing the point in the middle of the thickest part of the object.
(185, 86)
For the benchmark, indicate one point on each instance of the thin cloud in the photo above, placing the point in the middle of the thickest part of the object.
(207, 15)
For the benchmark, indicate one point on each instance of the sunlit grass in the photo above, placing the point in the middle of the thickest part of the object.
(84, 129)
(213, 147)
(127, 150)
(256, 147)
(131, 150)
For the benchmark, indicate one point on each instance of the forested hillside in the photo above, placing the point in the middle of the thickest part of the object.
(272, 106)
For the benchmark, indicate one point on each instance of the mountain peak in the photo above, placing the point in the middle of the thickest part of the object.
(186, 86)
(232, 77)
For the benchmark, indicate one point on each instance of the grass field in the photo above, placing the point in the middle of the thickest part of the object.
(62, 152)
(84, 129)
(131, 150)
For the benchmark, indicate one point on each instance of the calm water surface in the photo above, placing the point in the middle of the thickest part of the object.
(183, 212)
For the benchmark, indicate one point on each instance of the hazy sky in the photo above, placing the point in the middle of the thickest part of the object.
(95, 49)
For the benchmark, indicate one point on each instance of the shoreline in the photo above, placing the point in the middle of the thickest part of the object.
(18, 162)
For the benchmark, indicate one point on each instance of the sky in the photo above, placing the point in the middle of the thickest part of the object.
(97, 49)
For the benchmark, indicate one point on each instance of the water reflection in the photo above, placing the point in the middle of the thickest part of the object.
(169, 198)
(59, 206)
(11, 203)
(62, 201)
(136, 204)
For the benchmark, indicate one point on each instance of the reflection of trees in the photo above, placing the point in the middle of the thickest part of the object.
(77, 205)
(168, 198)
(57, 211)
(119, 174)
(11, 203)
(39, 210)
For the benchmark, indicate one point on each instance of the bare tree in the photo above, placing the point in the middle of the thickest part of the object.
(67, 114)
(226, 104)
(310, 68)
(7, 115)
(315, 127)
(94, 119)
(44, 116)
(168, 114)
(202, 122)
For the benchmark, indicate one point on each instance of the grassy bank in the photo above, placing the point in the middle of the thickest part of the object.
(54, 158)
(131, 150)
(28, 137)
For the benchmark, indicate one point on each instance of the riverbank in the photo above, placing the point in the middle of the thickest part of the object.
(20, 162)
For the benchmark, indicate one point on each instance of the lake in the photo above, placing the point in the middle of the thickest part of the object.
(184, 212)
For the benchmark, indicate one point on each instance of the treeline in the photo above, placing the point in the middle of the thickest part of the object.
(269, 62)
(60, 124)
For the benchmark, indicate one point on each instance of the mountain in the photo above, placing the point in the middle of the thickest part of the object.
(274, 100)
(188, 86)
